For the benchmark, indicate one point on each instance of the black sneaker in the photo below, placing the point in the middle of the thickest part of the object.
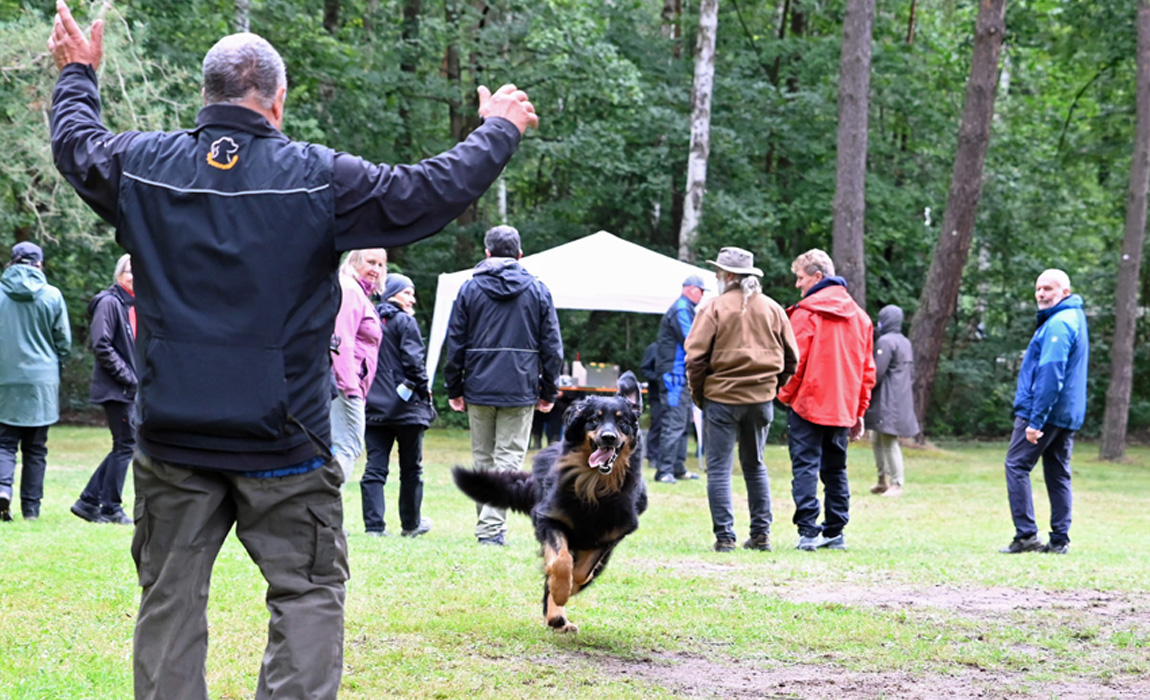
(724, 545)
(423, 529)
(86, 511)
(1051, 548)
(117, 517)
(761, 543)
(1029, 544)
(5, 502)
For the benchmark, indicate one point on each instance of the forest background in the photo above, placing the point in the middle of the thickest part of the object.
(394, 81)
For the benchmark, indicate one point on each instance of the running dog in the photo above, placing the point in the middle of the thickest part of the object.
(584, 495)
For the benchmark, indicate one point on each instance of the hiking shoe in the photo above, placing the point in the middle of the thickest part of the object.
(687, 476)
(761, 543)
(724, 545)
(496, 541)
(116, 516)
(1051, 548)
(836, 542)
(808, 544)
(5, 502)
(1029, 544)
(87, 511)
(423, 529)
(666, 479)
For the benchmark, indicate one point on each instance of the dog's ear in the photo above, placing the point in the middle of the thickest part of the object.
(628, 386)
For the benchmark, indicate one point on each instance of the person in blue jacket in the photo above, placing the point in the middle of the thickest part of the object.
(34, 339)
(1049, 406)
(399, 410)
(670, 363)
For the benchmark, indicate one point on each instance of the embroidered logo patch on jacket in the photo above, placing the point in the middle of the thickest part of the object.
(224, 153)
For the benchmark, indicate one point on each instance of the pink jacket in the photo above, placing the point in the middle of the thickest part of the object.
(357, 326)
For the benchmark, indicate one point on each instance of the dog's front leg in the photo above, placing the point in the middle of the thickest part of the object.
(557, 565)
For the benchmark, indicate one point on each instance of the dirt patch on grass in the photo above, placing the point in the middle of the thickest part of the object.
(696, 677)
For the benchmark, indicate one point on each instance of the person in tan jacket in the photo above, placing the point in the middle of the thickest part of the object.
(739, 351)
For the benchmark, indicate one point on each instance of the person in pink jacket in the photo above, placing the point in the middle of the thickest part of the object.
(355, 352)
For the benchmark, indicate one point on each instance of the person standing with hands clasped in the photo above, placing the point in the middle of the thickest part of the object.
(398, 411)
(235, 233)
(1049, 407)
(891, 412)
(114, 381)
(828, 397)
(739, 350)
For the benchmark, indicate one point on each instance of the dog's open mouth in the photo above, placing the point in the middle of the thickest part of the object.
(604, 458)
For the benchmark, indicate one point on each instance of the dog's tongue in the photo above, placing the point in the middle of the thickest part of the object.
(599, 456)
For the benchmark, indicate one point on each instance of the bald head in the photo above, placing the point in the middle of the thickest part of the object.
(243, 67)
(1052, 287)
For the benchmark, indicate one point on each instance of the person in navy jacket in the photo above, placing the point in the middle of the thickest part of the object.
(235, 233)
(1049, 407)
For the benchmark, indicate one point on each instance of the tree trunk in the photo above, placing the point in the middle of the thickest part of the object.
(700, 128)
(940, 291)
(910, 22)
(331, 16)
(672, 17)
(850, 181)
(243, 16)
(1117, 413)
(408, 64)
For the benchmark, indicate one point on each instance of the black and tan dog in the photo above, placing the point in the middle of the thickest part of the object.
(584, 496)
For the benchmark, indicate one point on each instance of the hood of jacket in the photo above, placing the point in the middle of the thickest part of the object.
(502, 278)
(889, 320)
(1071, 302)
(387, 310)
(829, 298)
(23, 282)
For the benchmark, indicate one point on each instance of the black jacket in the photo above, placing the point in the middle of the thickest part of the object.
(114, 347)
(235, 233)
(503, 342)
(401, 361)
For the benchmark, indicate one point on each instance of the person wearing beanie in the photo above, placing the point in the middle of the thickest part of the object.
(35, 337)
(399, 410)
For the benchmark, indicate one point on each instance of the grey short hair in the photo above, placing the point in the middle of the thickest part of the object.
(121, 265)
(812, 261)
(240, 66)
(502, 242)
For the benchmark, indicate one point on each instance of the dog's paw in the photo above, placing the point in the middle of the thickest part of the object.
(561, 624)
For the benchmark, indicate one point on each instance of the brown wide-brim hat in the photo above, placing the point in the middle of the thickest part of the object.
(736, 261)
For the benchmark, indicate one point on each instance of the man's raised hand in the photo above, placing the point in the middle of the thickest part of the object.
(508, 102)
(67, 43)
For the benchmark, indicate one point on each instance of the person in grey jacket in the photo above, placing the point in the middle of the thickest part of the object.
(34, 339)
(891, 413)
(114, 382)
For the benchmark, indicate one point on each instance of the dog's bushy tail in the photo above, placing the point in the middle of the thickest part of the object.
(500, 489)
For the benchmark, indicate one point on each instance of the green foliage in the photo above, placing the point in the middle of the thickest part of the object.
(613, 92)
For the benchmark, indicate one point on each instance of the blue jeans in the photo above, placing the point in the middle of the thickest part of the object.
(818, 452)
(106, 487)
(1055, 447)
(726, 427)
(33, 445)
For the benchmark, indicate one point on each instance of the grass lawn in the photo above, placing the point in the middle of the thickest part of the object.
(920, 606)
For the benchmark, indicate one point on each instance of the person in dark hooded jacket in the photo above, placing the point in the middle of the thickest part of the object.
(504, 356)
(114, 381)
(398, 411)
(891, 413)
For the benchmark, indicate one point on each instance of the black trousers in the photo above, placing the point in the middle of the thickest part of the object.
(106, 487)
(379, 440)
(33, 445)
(818, 452)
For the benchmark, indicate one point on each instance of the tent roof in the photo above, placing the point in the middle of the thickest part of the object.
(596, 272)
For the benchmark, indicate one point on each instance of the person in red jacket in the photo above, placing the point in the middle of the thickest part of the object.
(828, 396)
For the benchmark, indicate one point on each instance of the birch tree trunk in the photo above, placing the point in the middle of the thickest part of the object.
(850, 181)
(243, 16)
(700, 128)
(940, 291)
(1117, 413)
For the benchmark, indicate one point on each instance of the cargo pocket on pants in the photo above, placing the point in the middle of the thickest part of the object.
(329, 558)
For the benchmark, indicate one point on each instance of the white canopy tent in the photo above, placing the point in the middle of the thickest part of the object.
(598, 272)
